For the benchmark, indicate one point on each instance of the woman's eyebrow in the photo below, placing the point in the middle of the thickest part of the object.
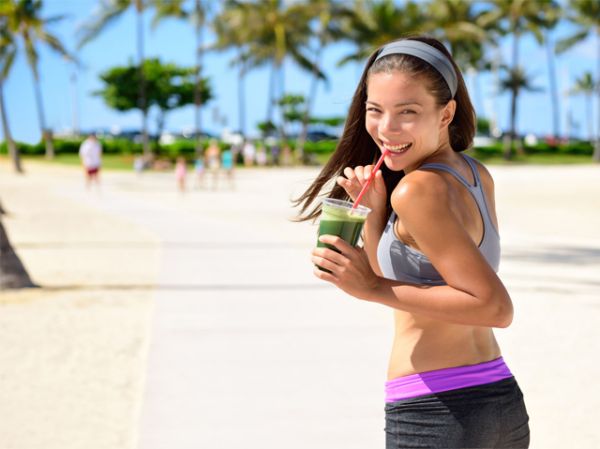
(403, 103)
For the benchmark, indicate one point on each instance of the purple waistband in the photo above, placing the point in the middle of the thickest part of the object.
(446, 379)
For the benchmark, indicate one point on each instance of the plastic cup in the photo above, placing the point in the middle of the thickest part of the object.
(339, 218)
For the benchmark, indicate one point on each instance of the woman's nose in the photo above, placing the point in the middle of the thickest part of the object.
(388, 123)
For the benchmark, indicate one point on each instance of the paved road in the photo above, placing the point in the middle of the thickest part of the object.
(249, 350)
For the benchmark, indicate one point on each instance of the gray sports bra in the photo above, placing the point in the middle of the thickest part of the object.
(400, 262)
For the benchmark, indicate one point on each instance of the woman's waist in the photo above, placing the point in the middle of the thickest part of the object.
(446, 379)
(417, 350)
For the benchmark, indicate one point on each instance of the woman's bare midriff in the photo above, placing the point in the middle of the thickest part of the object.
(422, 344)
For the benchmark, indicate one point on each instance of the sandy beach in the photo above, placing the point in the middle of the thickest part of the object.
(194, 321)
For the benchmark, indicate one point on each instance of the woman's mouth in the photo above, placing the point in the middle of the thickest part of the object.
(397, 149)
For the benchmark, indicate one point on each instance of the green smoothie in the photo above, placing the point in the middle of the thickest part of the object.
(338, 218)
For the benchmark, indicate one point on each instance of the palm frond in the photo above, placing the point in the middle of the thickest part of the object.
(88, 31)
(32, 55)
(568, 42)
(172, 9)
(55, 44)
(6, 61)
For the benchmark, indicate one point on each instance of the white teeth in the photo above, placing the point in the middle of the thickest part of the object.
(396, 147)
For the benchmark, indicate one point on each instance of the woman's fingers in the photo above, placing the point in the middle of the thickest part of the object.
(323, 275)
(327, 254)
(367, 172)
(324, 263)
(349, 173)
(344, 247)
(360, 174)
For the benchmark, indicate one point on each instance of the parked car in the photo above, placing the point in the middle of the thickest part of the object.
(483, 141)
(232, 137)
(135, 135)
(318, 135)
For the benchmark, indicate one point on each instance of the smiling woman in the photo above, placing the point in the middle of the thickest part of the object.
(431, 251)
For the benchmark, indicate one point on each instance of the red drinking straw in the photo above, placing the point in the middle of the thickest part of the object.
(366, 186)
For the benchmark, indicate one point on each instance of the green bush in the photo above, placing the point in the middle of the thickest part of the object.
(25, 148)
(572, 148)
(322, 147)
(187, 148)
(577, 148)
(120, 146)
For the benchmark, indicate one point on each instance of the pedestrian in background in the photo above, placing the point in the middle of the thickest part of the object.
(249, 153)
(213, 161)
(90, 153)
(181, 174)
(228, 164)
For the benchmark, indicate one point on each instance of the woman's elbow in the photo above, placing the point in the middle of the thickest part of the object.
(503, 312)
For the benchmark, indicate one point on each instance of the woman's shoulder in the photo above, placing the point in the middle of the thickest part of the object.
(420, 189)
(484, 174)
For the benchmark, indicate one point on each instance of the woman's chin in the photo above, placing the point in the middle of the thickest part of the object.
(393, 163)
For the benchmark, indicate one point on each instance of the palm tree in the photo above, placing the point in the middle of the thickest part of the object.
(517, 17)
(586, 86)
(23, 20)
(274, 31)
(328, 30)
(468, 31)
(552, 15)
(230, 33)
(109, 11)
(8, 50)
(464, 29)
(372, 23)
(175, 9)
(585, 14)
(515, 81)
(12, 271)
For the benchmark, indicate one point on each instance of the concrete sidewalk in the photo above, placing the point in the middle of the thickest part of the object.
(248, 349)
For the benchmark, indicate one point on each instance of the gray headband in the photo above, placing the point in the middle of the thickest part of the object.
(427, 53)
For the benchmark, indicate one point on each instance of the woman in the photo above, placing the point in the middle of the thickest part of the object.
(431, 251)
(213, 161)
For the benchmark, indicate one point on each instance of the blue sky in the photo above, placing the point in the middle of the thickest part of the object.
(67, 103)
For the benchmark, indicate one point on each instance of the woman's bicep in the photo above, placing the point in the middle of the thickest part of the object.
(440, 235)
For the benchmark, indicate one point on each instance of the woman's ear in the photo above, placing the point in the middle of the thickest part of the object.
(448, 113)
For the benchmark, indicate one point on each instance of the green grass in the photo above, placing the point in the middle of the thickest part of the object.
(109, 161)
(125, 162)
(530, 159)
(534, 159)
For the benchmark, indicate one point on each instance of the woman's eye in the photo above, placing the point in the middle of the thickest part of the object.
(372, 109)
(408, 111)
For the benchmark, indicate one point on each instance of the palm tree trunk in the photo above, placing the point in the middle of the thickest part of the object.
(271, 100)
(478, 95)
(142, 92)
(553, 87)
(513, 99)
(198, 78)
(590, 120)
(13, 151)
(242, 99)
(12, 271)
(596, 156)
(46, 133)
(160, 122)
(282, 131)
(312, 93)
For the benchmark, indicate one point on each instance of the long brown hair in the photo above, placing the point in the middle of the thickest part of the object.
(356, 147)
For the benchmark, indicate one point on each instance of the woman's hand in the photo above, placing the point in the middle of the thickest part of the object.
(355, 178)
(349, 269)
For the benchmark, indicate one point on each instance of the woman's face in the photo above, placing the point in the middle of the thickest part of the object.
(403, 117)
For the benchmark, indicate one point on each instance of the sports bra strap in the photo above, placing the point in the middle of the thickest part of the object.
(455, 173)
